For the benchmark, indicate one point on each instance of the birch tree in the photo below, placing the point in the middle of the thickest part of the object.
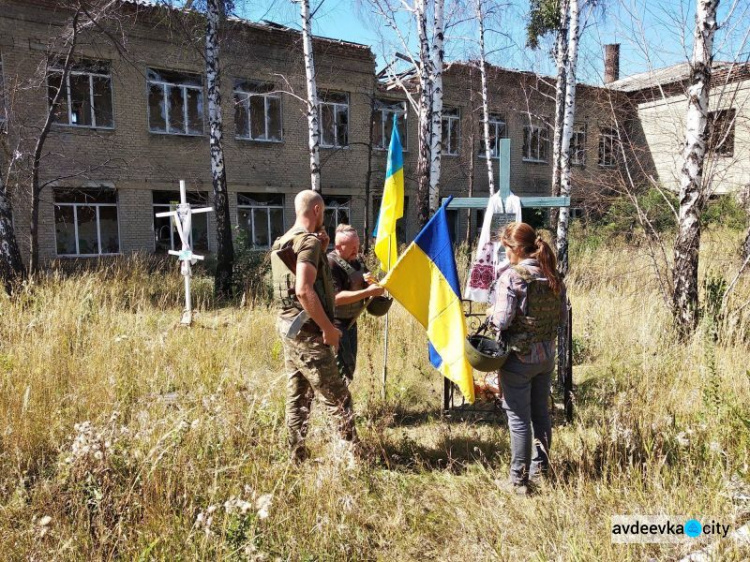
(215, 11)
(485, 98)
(421, 82)
(313, 120)
(12, 268)
(692, 196)
(567, 133)
(437, 56)
(552, 16)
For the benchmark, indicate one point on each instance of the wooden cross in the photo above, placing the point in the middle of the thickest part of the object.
(182, 217)
(564, 365)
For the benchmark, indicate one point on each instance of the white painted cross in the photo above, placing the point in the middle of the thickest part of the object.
(182, 217)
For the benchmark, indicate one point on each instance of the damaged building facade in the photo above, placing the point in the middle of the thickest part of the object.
(131, 122)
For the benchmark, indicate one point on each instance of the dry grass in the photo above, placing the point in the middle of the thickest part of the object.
(186, 442)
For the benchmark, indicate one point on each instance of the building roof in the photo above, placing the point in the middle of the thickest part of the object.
(674, 74)
(267, 25)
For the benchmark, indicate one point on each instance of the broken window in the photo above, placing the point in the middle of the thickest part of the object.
(337, 212)
(607, 148)
(578, 146)
(383, 123)
(257, 111)
(535, 143)
(85, 98)
(261, 217)
(721, 132)
(175, 103)
(86, 222)
(497, 132)
(451, 131)
(165, 229)
(334, 120)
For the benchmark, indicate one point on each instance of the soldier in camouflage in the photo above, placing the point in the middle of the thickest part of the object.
(353, 286)
(303, 291)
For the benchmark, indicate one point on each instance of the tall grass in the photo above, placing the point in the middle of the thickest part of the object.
(184, 457)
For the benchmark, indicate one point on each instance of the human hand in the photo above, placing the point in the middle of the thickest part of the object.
(322, 235)
(375, 290)
(332, 337)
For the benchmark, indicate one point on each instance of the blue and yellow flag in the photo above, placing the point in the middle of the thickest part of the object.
(392, 207)
(425, 282)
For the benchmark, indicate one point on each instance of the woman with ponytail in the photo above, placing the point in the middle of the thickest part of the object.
(529, 307)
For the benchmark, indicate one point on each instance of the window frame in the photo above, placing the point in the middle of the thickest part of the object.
(446, 119)
(184, 87)
(246, 93)
(267, 209)
(97, 206)
(385, 110)
(55, 70)
(542, 142)
(604, 134)
(337, 209)
(578, 130)
(494, 121)
(337, 106)
(726, 142)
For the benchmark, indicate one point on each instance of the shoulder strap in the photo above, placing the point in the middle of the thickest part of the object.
(345, 265)
(524, 273)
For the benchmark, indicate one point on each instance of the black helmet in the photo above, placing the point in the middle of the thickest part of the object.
(379, 306)
(485, 354)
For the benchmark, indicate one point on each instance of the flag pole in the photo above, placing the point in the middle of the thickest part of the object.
(385, 343)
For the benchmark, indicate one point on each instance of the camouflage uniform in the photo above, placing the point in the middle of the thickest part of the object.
(311, 364)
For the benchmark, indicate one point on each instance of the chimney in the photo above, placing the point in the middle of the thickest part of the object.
(611, 63)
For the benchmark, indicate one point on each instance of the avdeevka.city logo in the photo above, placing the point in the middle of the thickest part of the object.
(663, 528)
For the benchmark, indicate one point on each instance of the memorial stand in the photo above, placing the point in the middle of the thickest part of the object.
(565, 337)
(182, 217)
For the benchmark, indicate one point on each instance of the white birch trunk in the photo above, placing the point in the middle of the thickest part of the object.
(11, 264)
(313, 121)
(692, 195)
(437, 56)
(566, 134)
(225, 247)
(561, 62)
(485, 100)
(425, 111)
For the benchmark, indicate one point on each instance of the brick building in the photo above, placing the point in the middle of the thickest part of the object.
(132, 123)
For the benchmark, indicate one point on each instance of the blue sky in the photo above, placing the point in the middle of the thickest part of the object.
(653, 33)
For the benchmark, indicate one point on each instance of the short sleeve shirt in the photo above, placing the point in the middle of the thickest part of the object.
(308, 249)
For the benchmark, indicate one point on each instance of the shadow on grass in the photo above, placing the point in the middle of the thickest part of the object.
(451, 454)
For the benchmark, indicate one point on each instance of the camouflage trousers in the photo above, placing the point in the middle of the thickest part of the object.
(311, 367)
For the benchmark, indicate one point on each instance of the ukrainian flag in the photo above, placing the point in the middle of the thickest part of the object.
(425, 282)
(392, 207)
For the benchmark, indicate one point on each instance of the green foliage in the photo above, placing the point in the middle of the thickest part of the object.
(252, 269)
(622, 219)
(726, 211)
(544, 17)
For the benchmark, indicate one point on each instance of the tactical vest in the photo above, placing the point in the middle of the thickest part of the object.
(356, 283)
(542, 315)
(284, 276)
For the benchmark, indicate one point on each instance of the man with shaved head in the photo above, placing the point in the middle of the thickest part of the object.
(303, 290)
(353, 288)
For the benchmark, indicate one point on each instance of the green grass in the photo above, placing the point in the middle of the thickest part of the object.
(183, 421)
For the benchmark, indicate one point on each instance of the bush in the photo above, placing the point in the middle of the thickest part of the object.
(725, 210)
(252, 269)
(622, 217)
